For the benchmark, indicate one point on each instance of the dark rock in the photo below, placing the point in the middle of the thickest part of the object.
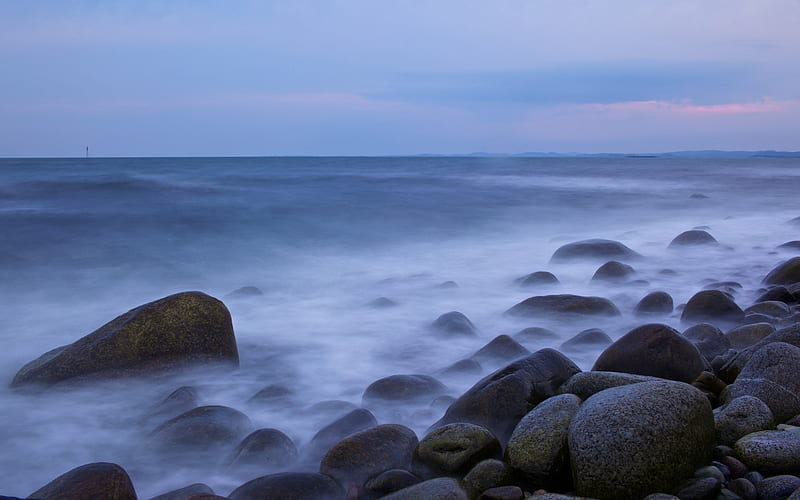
(244, 292)
(733, 365)
(170, 332)
(354, 421)
(714, 470)
(770, 452)
(272, 392)
(289, 485)
(774, 308)
(185, 493)
(537, 279)
(89, 482)
(655, 350)
(744, 488)
(747, 335)
(463, 367)
(268, 449)
(206, 496)
(503, 493)
(390, 481)
(178, 401)
(708, 339)
(613, 271)
(735, 466)
(447, 285)
(710, 385)
(777, 293)
(442, 488)
(453, 323)
(367, 453)
(453, 450)
(628, 441)
(593, 337)
(594, 249)
(777, 487)
(698, 196)
(793, 245)
(585, 384)
(743, 415)
(754, 477)
(706, 488)
(654, 303)
(403, 388)
(787, 273)
(692, 238)
(201, 429)
(382, 303)
(333, 406)
(488, 474)
(501, 399)
(537, 449)
(564, 304)
(501, 348)
(711, 305)
(535, 334)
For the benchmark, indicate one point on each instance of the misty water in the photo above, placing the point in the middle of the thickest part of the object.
(84, 240)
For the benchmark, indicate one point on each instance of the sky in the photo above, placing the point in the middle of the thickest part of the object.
(388, 77)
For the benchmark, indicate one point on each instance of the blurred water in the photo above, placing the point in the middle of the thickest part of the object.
(85, 240)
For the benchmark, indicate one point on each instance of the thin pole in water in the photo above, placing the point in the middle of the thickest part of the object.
(87, 151)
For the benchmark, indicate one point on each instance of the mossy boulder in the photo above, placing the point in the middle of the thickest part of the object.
(89, 482)
(453, 450)
(184, 328)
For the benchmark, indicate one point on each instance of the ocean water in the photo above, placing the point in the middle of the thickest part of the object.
(84, 240)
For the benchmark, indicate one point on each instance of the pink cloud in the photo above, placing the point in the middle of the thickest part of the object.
(687, 108)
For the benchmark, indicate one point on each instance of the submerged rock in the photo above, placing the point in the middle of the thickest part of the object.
(453, 450)
(592, 337)
(453, 323)
(535, 334)
(692, 238)
(613, 271)
(501, 348)
(294, 485)
(354, 421)
(89, 482)
(654, 303)
(710, 305)
(267, 449)
(402, 388)
(564, 304)
(594, 249)
(787, 273)
(201, 429)
(537, 279)
(186, 492)
(170, 332)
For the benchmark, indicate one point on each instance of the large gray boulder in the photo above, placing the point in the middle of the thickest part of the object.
(747, 335)
(585, 384)
(708, 339)
(549, 305)
(501, 399)
(711, 305)
(655, 350)
(89, 482)
(453, 450)
(632, 440)
(441, 488)
(770, 452)
(743, 415)
(786, 273)
(734, 365)
(184, 328)
(594, 249)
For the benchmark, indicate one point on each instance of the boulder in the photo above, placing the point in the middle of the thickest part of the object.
(741, 416)
(390, 481)
(453, 450)
(543, 305)
(586, 384)
(490, 473)
(89, 482)
(693, 238)
(786, 273)
(593, 337)
(267, 449)
(183, 328)
(778, 487)
(354, 421)
(655, 350)
(367, 453)
(463, 367)
(654, 303)
(535, 334)
(294, 485)
(501, 348)
(403, 388)
(777, 293)
(272, 393)
(734, 364)
(382, 303)
(594, 249)
(186, 492)
(201, 429)
(453, 323)
(710, 305)
(774, 308)
(613, 271)
(442, 488)
(770, 452)
(537, 449)
(178, 401)
(503, 493)
(747, 335)
(708, 339)
(501, 399)
(538, 278)
(628, 441)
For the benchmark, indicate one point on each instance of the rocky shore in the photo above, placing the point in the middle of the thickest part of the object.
(710, 412)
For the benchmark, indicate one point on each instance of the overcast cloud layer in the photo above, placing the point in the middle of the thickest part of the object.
(384, 77)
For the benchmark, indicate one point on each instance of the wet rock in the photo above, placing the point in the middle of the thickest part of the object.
(178, 401)
(730, 370)
(447, 285)
(390, 481)
(735, 466)
(787, 273)
(501, 399)
(382, 303)
(268, 449)
(692, 238)
(777, 487)
(654, 303)
(463, 367)
(453, 450)
(89, 482)
(698, 196)
(564, 304)
(537, 449)
(774, 308)
(770, 452)
(708, 339)
(403, 388)
(183, 328)
(186, 492)
(294, 485)
(367, 453)
(244, 292)
(594, 249)
(354, 421)
(747, 335)
(442, 488)
(770, 375)
(706, 488)
(490, 473)
(613, 271)
(538, 278)
(503, 493)
(593, 337)
(744, 488)
(743, 415)
(710, 305)
(777, 293)
(535, 334)
(585, 384)
(201, 429)
(453, 323)
(501, 348)
(628, 441)
(655, 350)
(272, 392)
(729, 288)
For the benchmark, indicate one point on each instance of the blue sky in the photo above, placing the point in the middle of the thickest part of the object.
(206, 77)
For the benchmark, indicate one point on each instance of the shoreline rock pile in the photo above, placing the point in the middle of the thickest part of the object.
(694, 415)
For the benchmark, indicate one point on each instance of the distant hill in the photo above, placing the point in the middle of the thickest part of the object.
(709, 153)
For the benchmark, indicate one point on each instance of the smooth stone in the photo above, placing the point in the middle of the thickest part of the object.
(741, 416)
(537, 449)
(710, 305)
(629, 441)
(490, 473)
(453, 323)
(390, 481)
(593, 337)
(777, 487)
(706, 488)
(744, 488)
(453, 450)
(593, 249)
(770, 452)
(747, 335)
(734, 365)
(178, 401)
(774, 308)
(185, 492)
(790, 245)
(537, 279)
(535, 334)
(289, 485)
(711, 471)
(654, 303)
(735, 466)
(586, 384)
(354, 421)
(268, 449)
(382, 303)
(501, 348)
(89, 482)
(655, 350)
(786, 273)
(503, 493)
(271, 392)
(613, 271)
(564, 304)
(403, 388)
(188, 327)
(692, 238)
(201, 429)
(441, 488)
(777, 293)
(463, 367)
(708, 339)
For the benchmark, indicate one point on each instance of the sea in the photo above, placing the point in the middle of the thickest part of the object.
(87, 239)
